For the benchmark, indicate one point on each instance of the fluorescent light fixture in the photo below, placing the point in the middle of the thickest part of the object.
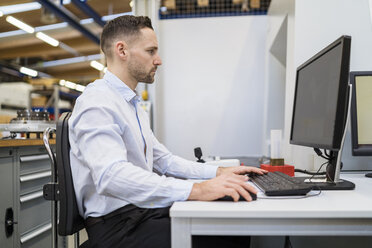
(80, 87)
(68, 61)
(70, 85)
(16, 8)
(20, 24)
(96, 65)
(23, 7)
(61, 25)
(28, 71)
(51, 41)
(62, 82)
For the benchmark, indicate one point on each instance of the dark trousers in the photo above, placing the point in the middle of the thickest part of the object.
(133, 227)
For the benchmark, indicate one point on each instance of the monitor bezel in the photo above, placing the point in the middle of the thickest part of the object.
(342, 101)
(357, 149)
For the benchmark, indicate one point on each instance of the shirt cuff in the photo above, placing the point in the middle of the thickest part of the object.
(182, 189)
(209, 171)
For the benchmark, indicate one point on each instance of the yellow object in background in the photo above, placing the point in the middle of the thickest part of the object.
(145, 95)
(203, 3)
(255, 4)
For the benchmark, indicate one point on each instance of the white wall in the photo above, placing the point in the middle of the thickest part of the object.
(278, 68)
(318, 23)
(210, 88)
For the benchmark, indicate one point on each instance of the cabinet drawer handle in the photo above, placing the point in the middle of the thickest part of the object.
(31, 196)
(35, 233)
(35, 176)
(33, 158)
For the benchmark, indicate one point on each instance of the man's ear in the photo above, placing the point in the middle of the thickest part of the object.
(121, 49)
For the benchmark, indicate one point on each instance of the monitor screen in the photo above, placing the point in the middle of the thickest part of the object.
(361, 113)
(321, 97)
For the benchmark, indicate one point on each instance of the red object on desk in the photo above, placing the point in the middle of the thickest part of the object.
(286, 169)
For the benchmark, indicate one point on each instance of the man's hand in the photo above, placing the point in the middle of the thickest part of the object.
(239, 170)
(229, 184)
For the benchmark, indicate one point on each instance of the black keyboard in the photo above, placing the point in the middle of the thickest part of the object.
(279, 184)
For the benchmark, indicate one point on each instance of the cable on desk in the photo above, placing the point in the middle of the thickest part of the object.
(290, 197)
(310, 173)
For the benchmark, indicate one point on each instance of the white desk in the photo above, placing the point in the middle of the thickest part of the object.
(346, 213)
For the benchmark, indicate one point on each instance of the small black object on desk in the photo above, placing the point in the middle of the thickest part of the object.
(198, 154)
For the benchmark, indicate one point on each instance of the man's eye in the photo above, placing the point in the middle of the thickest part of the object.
(151, 52)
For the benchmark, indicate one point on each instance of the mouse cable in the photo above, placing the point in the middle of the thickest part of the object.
(290, 197)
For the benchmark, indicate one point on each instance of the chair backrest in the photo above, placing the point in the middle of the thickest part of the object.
(70, 220)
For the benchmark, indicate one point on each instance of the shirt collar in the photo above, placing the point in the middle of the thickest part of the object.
(127, 93)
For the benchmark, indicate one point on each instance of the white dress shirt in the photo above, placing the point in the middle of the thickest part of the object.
(114, 154)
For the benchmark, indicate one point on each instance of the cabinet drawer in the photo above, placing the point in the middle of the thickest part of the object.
(33, 181)
(34, 163)
(39, 237)
(34, 211)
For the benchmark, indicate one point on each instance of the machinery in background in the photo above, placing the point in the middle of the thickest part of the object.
(13, 97)
(27, 123)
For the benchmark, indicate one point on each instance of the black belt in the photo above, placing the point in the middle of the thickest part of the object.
(90, 221)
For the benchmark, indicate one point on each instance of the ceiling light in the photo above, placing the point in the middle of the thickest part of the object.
(1, 13)
(62, 82)
(51, 41)
(70, 85)
(20, 24)
(61, 25)
(80, 87)
(28, 71)
(96, 65)
(16, 8)
(131, 4)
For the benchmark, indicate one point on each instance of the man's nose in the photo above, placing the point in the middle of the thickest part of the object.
(157, 61)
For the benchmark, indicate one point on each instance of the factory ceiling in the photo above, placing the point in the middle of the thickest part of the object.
(76, 46)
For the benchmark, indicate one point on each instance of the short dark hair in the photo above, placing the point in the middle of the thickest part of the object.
(126, 25)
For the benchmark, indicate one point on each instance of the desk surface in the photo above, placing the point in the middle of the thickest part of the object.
(24, 142)
(329, 204)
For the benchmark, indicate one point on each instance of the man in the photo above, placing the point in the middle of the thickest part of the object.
(124, 179)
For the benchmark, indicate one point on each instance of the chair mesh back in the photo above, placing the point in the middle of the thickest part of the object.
(70, 220)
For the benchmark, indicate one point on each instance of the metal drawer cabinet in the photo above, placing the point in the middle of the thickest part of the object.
(34, 223)
(7, 199)
(26, 170)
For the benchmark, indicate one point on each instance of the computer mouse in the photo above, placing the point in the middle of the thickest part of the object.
(241, 198)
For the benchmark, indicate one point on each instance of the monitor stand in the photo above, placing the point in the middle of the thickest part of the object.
(368, 175)
(333, 181)
(340, 185)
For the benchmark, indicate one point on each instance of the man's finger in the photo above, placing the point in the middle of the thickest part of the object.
(249, 169)
(250, 188)
(242, 191)
(233, 193)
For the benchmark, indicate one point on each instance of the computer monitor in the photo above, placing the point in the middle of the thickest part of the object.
(320, 107)
(361, 114)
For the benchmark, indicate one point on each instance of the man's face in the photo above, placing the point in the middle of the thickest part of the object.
(143, 56)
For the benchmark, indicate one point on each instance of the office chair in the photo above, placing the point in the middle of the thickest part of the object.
(61, 189)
